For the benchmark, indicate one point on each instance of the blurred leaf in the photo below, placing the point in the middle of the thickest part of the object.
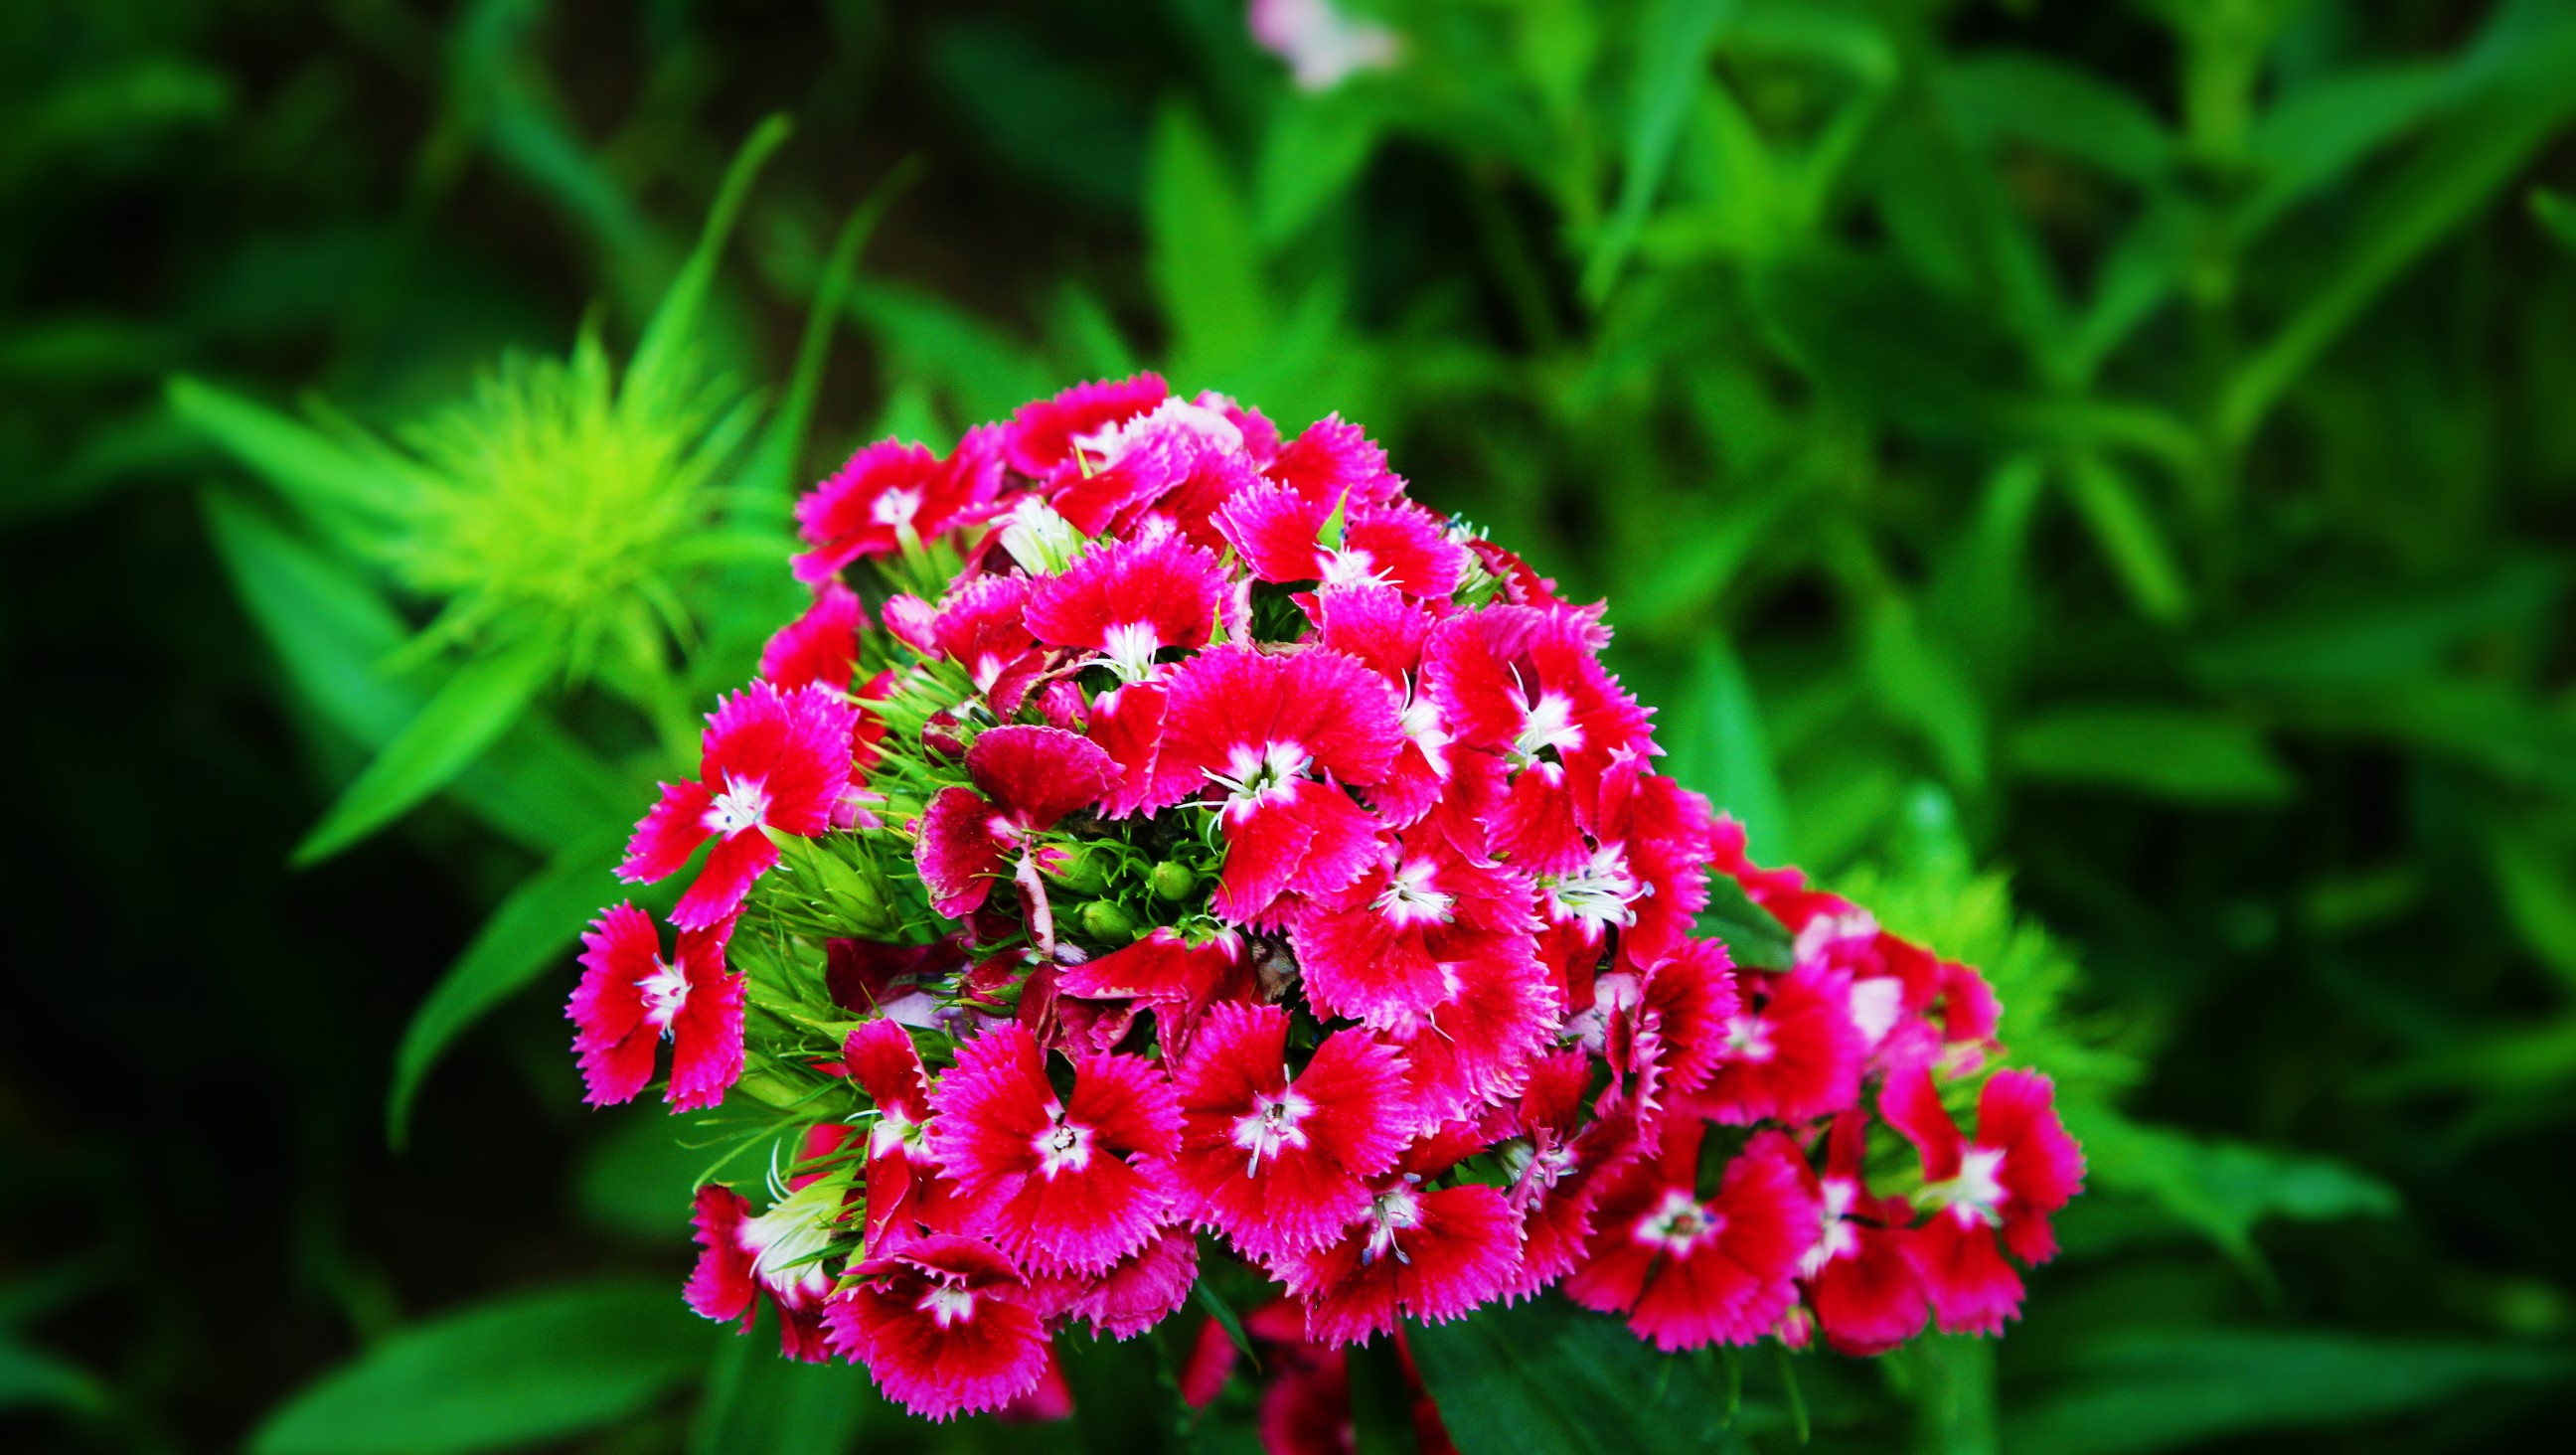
(1752, 936)
(1924, 689)
(640, 1175)
(2164, 1389)
(2519, 99)
(1673, 51)
(984, 371)
(2319, 131)
(2557, 215)
(2129, 538)
(2521, 1059)
(1053, 117)
(30, 1379)
(2162, 751)
(2536, 877)
(514, 1371)
(1200, 255)
(329, 626)
(671, 337)
(1715, 737)
(529, 932)
(468, 714)
(760, 1404)
(1312, 153)
(329, 483)
(2222, 1189)
(2385, 633)
(1886, 344)
(1549, 1378)
(2027, 98)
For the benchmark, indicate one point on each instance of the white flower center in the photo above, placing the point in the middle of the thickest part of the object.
(1196, 422)
(1839, 1239)
(1409, 899)
(1255, 775)
(1350, 568)
(1393, 1211)
(1547, 723)
(1271, 1126)
(1977, 1194)
(1748, 1038)
(1599, 893)
(1875, 1005)
(1043, 542)
(894, 1132)
(1421, 721)
(897, 508)
(1130, 647)
(1678, 1224)
(948, 1306)
(743, 805)
(664, 992)
(1066, 1146)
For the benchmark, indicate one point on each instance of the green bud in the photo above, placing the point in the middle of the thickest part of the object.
(1173, 880)
(1102, 919)
(1082, 870)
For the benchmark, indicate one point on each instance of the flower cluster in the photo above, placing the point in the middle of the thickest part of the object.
(1181, 841)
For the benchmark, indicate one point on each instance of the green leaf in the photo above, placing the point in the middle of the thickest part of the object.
(1200, 255)
(2383, 634)
(2151, 748)
(2535, 875)
(468, 715)
(2518, 99)
(2557, 216)
(530, 931)
(760, 1404)
(985, 372)
(2160, 1390)
(672, 333)
(1752, 936)
(1313, 152)
(1924, 689)
(1046, 111)
(2317, 133)
(32, 1379)
(2130, 539)
(1888, 345)
(329, 627)
(2223, 1189)
(1718, 746)
(329, 482)
(1547, 1377)
(2020, 97)
(1675, 42)
(637, 1178)
(514, 1371)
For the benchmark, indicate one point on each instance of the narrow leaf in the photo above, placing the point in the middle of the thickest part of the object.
(2129, 538)
(2150, 748)
(668, 336)
(1200, 253)
(515, 1371)
(325, 479)
(530, 930)
(469, 714)
(1677, 39)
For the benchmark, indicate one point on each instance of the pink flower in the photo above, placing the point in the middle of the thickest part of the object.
(1280, 1164)
(889, 490)
(1280, 534)
(630, 999)
(1042, 435)
(1136, 1293)
(1527, 682)
(1664, 1025)
(944, 1325)
(1390, 943)
(820, 646)
(1863, 1286)
(1178, 981)
(778, 1254)
(1026, 779)
(1475, 1048)
(982, 628)
(1067, 1185)
(1566, 1160)
(772, 762)
(902, 1175)
(1688, 1272)
(1791, 1053)
(1334, 460)
(1427, 1255)
(1321, 45)
(2020, 1169)
(1129, 600)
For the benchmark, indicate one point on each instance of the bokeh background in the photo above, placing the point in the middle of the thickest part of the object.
(2099, 479)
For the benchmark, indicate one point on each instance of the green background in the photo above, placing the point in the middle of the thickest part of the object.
(2094, 480)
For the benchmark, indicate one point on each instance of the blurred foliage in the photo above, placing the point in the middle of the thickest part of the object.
(2094, 467)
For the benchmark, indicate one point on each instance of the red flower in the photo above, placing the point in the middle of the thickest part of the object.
(902, 1175)
(1255, 727)
(1130, 599)
(1336, 461)
(944, 1325)
(630, 999)
(1689, 1273)
(820, 646)
(1664, 1026)
(982, 627)
(1178, 981)
(1427, 1255)
(1070, 1185)
(1136, 1293)
(1866, 1295)
(1389, 945)
(1280, 1165)
(779, 1254)
(1566, 1160)
(1475, 1048)
(1280, 535)
(889, 490)
(1026, 778)
(771, 761)
(1042, 435)
(1791, 1053)
(2021, 1168)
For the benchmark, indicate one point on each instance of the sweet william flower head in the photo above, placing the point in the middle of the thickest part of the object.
(631, 999)
(773, 762)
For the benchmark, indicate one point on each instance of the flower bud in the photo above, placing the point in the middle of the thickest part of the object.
(1174, 881)
(1083, 870)
(1102, 919)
